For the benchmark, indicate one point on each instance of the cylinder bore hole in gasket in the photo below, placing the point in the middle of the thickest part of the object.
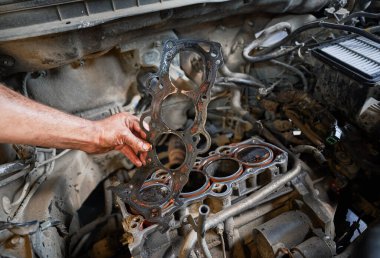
(171, 150)
(197, 183)
(255, 155)
(223, 169)
(187, 70)
(177, 111)
(155, 193)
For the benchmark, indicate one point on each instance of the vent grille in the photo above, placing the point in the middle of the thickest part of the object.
(357, 56)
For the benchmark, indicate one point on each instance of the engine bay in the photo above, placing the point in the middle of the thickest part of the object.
(264, 118)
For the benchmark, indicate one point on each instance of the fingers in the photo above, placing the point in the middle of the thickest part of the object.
(135, 126)
(143, 157)
(137, 144)
(127, 151)
(131, 140)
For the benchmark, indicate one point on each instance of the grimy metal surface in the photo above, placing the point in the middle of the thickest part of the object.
(157, 200)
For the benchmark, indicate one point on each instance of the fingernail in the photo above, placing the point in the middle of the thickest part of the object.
(146, 146)
(139, 164)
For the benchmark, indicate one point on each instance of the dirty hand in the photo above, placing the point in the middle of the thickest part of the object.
(122, 132)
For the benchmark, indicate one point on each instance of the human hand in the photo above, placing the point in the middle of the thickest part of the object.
(122, 132)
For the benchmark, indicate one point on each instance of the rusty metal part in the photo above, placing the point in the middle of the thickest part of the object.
(313, 247)
(199, 227)
(285, 231)
(282, 125)
(160, 87)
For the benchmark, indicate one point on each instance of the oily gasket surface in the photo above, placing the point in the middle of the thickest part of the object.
(270, 157)
(158, 200)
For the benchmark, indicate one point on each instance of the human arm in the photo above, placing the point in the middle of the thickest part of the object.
(24, 121)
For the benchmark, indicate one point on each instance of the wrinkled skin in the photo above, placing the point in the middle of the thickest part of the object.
(123, 132)
(24, 121)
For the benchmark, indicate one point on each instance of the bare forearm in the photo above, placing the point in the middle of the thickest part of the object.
(27, 122)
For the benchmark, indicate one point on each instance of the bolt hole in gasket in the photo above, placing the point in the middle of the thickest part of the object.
(205, 59)
(219, 189)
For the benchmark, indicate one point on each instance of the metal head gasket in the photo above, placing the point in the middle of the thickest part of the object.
(159, 198)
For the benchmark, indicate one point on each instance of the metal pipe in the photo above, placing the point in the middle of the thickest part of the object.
(204, 210)
(236, 103)
(9, 168)
(229, 225)
(239, 80)
(261, 210)
(243, 205)
(225, 71)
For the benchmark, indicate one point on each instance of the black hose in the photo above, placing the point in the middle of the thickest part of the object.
(266, 54)
(272, 55)
(360, 14)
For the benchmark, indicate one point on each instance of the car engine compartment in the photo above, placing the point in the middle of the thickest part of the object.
(264, 118)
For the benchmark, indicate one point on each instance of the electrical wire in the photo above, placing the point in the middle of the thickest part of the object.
(223, 245)
(25, 84)
(24, 202)
(52, 159)
(294, 70)
(87, 229)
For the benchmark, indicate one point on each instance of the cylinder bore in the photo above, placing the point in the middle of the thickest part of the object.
(223, 169)
(155, 193)
(255, 155)
(197, 184)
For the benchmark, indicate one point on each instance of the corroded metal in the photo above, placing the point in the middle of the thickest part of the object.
(138, 193)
